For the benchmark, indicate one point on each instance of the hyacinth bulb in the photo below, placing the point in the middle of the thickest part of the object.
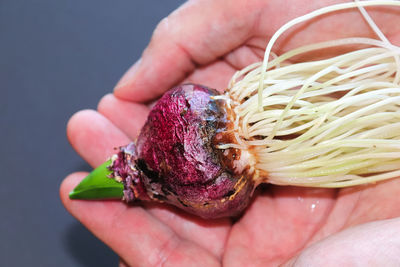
(176, 160)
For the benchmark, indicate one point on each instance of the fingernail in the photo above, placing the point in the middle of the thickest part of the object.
(128, 76)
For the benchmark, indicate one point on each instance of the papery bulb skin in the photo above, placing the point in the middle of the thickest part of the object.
(176, 159)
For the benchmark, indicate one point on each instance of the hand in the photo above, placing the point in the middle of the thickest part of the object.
(206, 42)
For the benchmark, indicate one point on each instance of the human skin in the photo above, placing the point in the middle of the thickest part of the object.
(206, 42)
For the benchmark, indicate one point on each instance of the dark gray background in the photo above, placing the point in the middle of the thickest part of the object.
(56, 57)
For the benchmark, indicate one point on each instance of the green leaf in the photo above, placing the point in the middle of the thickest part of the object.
(97, 185)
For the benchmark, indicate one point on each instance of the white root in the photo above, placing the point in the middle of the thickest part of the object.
(333, 122)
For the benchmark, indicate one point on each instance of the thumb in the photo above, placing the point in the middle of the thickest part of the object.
(376, 243)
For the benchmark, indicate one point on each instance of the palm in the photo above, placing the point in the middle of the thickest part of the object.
(280, 222)
(283, 221)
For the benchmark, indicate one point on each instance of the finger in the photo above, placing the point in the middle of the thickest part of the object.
(94, 137)
(191, 36)
(129, 117)
(134, 234)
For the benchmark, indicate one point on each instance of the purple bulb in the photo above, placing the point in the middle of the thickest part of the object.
(176, 160)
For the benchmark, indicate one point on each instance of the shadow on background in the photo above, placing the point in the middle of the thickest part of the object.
(86, 248)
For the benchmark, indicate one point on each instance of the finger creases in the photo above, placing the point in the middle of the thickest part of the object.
(133, 233)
